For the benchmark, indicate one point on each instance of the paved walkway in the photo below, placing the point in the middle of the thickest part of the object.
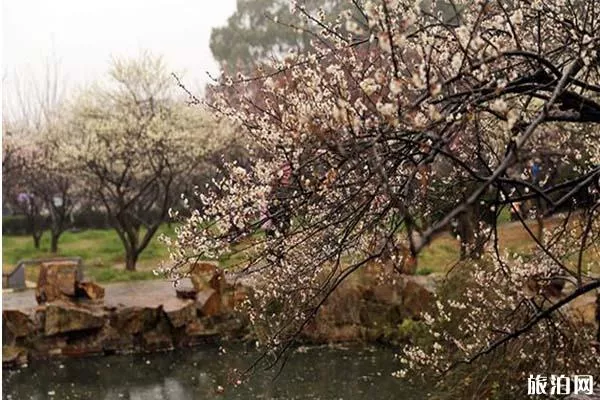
(150, 293)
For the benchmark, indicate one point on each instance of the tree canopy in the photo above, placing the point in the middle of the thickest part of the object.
(137, 147)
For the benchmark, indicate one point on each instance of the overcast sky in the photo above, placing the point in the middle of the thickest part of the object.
(83, 35)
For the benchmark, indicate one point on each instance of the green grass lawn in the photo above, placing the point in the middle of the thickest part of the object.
(101, 250)
(103, 255)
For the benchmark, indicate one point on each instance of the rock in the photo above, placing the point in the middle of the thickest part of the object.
(411, 295)
(14, 356)
(326, 333)
(86, 344)
(234, 297)
(59, 281)
(232, 327)
(197, 333)
(197, 328)
(64, 317)
(206, 276)
(416, 298)
(583, 309)
(380, 315)
(39, 318)
(535, 285)
(343, 307)
(71, 328)
(133, 320)
(555, 287)
(43, 346)
(56, 281)
(209, 303)
(90, 290)
(157, 341)
(369, 311)
(160, 337)
(386, 293)
(115, 342)
(339, 318)
(403, 264)
(346, 333)
(83, 350)
(180, 313)
(409, 266)
(17, 323)
(393, 263)
(186, 292)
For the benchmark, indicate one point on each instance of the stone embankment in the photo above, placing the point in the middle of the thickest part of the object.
(372, 310)
(73, 318)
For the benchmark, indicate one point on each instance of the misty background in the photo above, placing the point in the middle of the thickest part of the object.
(80, 38)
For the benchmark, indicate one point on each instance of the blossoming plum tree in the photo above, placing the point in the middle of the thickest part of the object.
(136, 147)
(380, 119)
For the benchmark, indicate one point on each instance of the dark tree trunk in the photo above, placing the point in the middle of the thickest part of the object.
(130, 260)
(128, 236)
(35, 230)
(540, 227)
(472, 241)
(36, 240)
(466, 231)
(54, 236)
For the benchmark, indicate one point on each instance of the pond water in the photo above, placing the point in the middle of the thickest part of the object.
(341, 372)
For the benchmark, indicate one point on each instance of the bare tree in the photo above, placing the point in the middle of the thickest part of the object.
(33, 99)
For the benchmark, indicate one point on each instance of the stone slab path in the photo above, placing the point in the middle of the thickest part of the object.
(150, 293)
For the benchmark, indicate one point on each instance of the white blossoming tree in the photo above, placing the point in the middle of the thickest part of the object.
(137, 148)
(386, 132)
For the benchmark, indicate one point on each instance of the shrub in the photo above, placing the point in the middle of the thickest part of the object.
(17, 225)
(84, 219)
(477, 307)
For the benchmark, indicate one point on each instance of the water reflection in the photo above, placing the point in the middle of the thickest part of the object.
(318, 373)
